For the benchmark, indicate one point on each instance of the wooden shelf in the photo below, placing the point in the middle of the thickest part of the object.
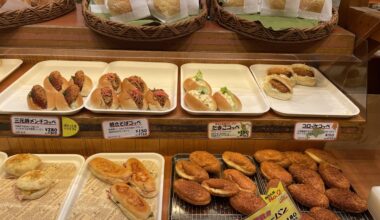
(70, 31)
(177, 124)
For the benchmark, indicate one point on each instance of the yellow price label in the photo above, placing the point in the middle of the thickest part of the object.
(279, 206)
(69, 127)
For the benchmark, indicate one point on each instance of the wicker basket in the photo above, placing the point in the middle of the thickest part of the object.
(256, 30)
(144, 33)
(34, 15)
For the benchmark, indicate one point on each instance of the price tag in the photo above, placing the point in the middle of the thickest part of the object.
(229, 130)
(279, 206)
(324, 131)
(132, 128)
(69, 127)
(35, 125)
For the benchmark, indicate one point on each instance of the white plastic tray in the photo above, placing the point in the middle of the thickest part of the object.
(236, 77)
(323, 100)
(374, 202)
(7, 66)
(156, 75)
(13, 99)
(97, 202)
(51, 203)
(3, 157)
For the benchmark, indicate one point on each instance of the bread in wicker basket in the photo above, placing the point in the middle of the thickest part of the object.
(255, 30)
(143, 33)
(32, 15)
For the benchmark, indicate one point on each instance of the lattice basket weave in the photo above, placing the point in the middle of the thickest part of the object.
(144, 33)
(17, 18)
(256, 30)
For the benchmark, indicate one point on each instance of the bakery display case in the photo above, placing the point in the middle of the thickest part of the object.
(233, 65)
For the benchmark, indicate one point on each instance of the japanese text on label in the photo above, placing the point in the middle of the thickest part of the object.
(325, 131)
(125, 128)
(229, 130)
(35, 125)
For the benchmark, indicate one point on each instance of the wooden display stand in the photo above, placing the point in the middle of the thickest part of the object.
(69, 39)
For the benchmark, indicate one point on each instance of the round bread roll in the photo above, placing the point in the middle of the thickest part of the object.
(55, 82)
(157, 100)
(41, 99)
(167, 8)
(191, 171)
(19, 164)
(127, 100)
(191, 192)
(305, 75)
(199, 100)
(70, 99)
(110, 80)
(227, 101)
(83, 82)
(33, 180)
(277, 87)
(196, 83)
(285, 72)
(117, 7)
(100, 100)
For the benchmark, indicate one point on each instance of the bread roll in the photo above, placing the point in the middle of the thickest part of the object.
(32, 185)
(135, 82)
(305, 75)
(69, 99)
(141, 180)
(321, 156)
(199, 100)
(191, 171)
(117, 7)
(191, 192)
(83, 82)
(272, 170)
(308, 196)
(132, 100)
(220, 187)
(110, 80)
(104, 98)
(239, 162)
(243, 182)
(158, 100)
(197, 82)
(277, 87)
(55, 82)
(108, 171)
(285, 72)
(40, 99)
(168, 8)
(247, 203)
(312, 5)
(226, 100)
(206, 160)
(19, 164)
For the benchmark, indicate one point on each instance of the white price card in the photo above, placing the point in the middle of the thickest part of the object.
(229, 130)
(36, 125)
(318, 131)
(126, 128)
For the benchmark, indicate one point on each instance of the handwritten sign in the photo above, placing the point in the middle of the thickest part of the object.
(279, 206)
(125, 128)
(324, 131)
(229, 130)
(35, 125)
(69, 127)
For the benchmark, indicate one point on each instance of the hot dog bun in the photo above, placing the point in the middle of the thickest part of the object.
(226, 100)
(199, 100)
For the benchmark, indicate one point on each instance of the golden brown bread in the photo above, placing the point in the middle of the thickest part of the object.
(285, 72)
(191, 171)
(19, 164)
(198, 100)
(274, 171)
(247, 203)
(239, 162)
(108, 171)
(272, 156)
(321, 156)
(301, 159)
(307, 176)
(277, 4)
(206, 160)
(323, 214)
(273, 183)
(220, 187)
(197, 82)
(346, 200)
(243, 182)
(227, 101)
(143, 182)
(333, 177)
(191, 192)
(305, 216)
(129, 201)
(308, 195)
